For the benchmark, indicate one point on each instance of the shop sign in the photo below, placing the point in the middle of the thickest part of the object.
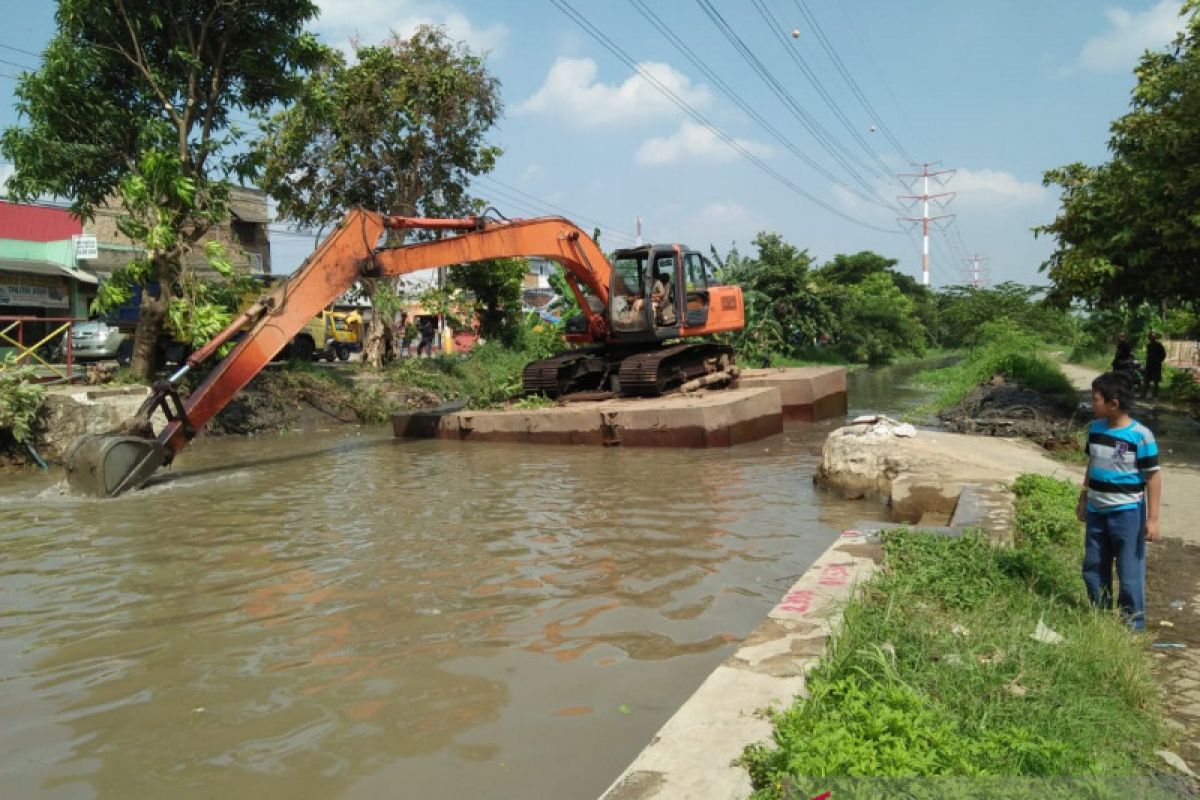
(33, 290)
(85, 247)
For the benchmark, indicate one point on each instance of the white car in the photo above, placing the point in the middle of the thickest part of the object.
(95, 339)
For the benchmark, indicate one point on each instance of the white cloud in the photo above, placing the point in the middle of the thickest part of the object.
(372, 21)
(992, 188)
(694, 141)
(1129, 35)
(532, 172)
(572, 92)
(6, 172)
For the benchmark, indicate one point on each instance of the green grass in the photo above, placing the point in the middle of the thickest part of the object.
(934, 672)
(1016, 356)
(488, 375)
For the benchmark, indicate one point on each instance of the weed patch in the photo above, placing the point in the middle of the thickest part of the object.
(935, 674)
(1006, 351)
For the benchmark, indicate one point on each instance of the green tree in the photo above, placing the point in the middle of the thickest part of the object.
(880, 322)
(496, 286)
(134, 103)
(400, 131)
(1129, 229)
(963, 309)
(781, 274)
(850, 270)
(847, 271)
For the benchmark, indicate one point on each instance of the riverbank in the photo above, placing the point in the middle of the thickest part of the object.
(981, 670)
(918, 477)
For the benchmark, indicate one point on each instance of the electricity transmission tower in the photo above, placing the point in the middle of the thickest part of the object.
(941, 199)
(976, 271)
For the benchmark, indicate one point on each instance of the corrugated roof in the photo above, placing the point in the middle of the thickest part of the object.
(248, 205)
(29, 223)
(30, 266)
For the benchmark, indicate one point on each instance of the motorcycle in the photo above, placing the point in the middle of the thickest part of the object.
(1133, 371)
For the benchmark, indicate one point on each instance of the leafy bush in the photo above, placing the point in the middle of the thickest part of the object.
(1181, 386)
(1046, 510)
(20, 399)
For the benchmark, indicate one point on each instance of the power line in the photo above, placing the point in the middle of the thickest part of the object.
(19, 50)
(811, 75)
(683, 105)
(15, 64)
(716, 79)
(834, 147)
(612, 230)
(831, 51)
(878, 72)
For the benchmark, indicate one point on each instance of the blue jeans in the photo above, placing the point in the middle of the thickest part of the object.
(1117, 537)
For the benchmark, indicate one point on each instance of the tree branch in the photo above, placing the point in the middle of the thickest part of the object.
(140, 63)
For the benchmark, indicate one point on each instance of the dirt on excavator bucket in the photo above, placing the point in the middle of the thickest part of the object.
(107, 464)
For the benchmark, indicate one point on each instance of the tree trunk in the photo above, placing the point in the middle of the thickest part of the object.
(379, 348)
(151, 321)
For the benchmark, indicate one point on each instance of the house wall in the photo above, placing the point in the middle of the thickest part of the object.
(244, 239)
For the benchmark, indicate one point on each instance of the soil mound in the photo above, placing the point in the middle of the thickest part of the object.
(1000, 408)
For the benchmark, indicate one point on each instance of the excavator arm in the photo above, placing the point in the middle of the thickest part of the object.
(109, 464)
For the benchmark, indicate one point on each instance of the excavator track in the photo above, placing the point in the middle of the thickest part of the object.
(573, 371)
(660, 371)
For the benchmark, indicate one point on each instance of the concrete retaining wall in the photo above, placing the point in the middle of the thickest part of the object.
(692, 754)
(807, 393)
(718, 418)
(704, 419)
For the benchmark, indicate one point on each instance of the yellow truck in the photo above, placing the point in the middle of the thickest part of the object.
(329, 335)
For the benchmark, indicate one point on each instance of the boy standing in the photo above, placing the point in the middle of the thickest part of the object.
(1119, 501)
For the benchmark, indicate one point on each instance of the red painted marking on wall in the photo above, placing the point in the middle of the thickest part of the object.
(834, 575)
(798, 601)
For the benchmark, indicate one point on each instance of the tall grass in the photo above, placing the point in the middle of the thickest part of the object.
(1005, 351)
(935, 673)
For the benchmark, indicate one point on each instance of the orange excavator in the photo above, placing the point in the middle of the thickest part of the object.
(631, 308)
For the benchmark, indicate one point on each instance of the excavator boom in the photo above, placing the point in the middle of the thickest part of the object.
(109, 464)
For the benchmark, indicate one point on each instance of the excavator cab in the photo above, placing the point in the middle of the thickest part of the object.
(643, 301)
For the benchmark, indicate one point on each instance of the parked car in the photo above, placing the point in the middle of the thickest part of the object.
(95, 339)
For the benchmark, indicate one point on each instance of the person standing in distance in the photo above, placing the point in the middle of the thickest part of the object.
(1156, 354)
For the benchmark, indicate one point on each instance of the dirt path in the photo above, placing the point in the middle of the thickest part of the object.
(1173, 568)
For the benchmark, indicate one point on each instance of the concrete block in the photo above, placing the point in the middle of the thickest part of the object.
(807, 393)
(704, 419)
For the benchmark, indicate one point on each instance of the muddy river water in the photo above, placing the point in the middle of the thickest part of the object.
(340, 614)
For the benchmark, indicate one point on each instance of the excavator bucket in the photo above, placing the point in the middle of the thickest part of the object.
(107, 464)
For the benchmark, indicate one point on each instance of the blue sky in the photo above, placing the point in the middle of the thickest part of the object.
(998, 91)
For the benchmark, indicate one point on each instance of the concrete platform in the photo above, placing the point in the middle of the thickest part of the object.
(807, 393)
(721, 418)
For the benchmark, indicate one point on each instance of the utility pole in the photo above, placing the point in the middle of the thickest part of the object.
(925, 197)
(975, 269)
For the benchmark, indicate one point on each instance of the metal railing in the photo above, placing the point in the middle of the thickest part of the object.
(44, 352)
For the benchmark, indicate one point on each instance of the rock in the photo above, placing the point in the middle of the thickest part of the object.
(69, 414)
(856, 463)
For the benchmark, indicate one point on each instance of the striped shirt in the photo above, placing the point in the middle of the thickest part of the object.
(1119, 462)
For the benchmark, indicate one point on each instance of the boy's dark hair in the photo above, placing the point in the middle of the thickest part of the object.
(1114, 386)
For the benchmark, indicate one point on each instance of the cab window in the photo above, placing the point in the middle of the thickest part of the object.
(694, 272)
